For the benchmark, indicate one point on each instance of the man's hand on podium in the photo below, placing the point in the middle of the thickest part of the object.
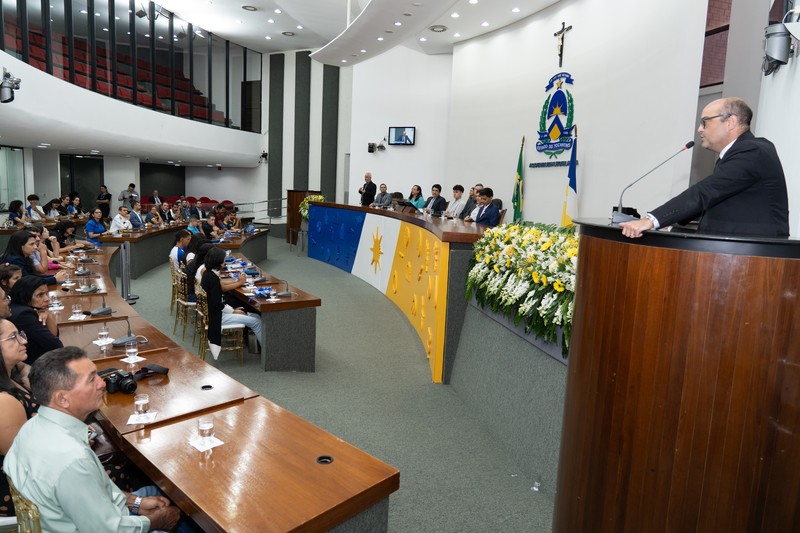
(635, 228)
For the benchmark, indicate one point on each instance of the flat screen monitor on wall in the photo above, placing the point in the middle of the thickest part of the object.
(406, 135)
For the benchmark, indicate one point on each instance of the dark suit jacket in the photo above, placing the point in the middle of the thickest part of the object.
(202, 214)
(368, 196)
(489, 217)
(40, 340)
(154, 200)
(136, 220)
(745, 195)
(471, 203)
(439, 205)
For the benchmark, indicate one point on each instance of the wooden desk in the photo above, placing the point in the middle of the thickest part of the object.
(84, 334)
(253, 246)
(266, 476)
(289, 327)
(192, 386)
(147, 248)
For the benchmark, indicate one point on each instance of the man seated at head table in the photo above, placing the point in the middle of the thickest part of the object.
(457, 205)
(153, 217)
(209, 227)
(487, 213)
(383, 199)
(435, 203)
(136, 218)
(51, 463)
(471, 209)
(121, 220)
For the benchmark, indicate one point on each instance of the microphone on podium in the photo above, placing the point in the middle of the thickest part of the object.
(129, 337)
(102, 310)
(617, 216)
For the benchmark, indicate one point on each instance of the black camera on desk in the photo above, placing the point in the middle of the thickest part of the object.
(118, 381)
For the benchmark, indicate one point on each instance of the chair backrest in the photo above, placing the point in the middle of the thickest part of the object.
(27, 512)
(202, 301)
(498, 202)
(502, 216)
(180, 284)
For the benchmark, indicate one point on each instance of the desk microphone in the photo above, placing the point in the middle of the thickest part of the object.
(286, 291)
(128, 338)
(102, 310)
(618, 217)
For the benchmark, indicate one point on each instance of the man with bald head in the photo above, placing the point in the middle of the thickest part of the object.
(745, 195)
(368, 191)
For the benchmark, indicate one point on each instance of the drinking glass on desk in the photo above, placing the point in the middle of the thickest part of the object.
(76, 310)
(102, 333)
(131, 348)
(141, 403)
(205, 426)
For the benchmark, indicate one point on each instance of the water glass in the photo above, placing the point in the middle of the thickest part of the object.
(141, 403)
(76, 310)
(131, 348)
(102, 333)
(205, 426)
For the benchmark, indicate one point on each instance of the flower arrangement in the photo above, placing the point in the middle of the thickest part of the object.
(528, 271)
(304, 204)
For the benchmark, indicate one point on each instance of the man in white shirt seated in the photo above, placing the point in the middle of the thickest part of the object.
(51, 463)
(34, 211)
(121, 220)
(457, 205)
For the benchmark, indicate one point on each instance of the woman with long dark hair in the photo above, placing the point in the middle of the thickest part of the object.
(17, 213)
(95, 227)
(104, 201)
(29, 312)
(194, 268)
(16, 401)
(20, 250)
(64, 232)
(9, 275)
(219, 313)
(416, 197)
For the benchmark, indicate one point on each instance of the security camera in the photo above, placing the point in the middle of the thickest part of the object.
(7, 87)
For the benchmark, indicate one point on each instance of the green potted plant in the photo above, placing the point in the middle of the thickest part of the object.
(304, 209)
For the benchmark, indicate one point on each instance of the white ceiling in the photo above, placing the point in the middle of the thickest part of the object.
(321, 21)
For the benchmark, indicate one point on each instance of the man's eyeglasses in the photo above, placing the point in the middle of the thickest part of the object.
(16, 336)
(703, 120)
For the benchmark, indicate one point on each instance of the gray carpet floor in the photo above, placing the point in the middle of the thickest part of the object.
(372, 388)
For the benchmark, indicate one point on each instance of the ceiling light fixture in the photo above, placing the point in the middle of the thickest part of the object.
(287, 33)
(278, 11)
(473, 2)
(299, 27)
(398, 23)
(515, 10)
(484, 23)
(271, 21)
(250, 8)
(380, 38)
(456, 34)
(268, 38)
(454, 15)
(423, 39)
(438, 28)
(363, 51)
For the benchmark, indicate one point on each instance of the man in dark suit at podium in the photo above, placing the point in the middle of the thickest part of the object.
(488, 214)
(435, 203)
(745, 195)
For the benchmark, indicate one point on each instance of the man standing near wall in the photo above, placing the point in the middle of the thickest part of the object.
(128, 196)
(368, 191)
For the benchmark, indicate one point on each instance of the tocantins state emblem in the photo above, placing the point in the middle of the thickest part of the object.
(555, 121)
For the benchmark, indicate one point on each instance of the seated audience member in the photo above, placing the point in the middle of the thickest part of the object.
(195, 241)
(52, 464)
(457, 205)
(16, 213)
(29, 312)
(174, 214)
(471, 208)
(75, 208)
(487, 213)
(9, 275)
(198, 210)
(154, 217)
(219, 313)
(209, 227)
(34, 211)
(95, 227)
(52, 208)
(136, 218)
(229, 220)
(195, 268)
(121, 221)
(156, 198)
(416, 198)
(64, 206)
(194, 224)
(20, 250)
(163, 211)
(64, 232)
(182, 238)
(47, 249)
(383, 198)
(16, 401)
(435, 203)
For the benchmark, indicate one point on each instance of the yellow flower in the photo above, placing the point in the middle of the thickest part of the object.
(535, 277)
(544, 280)
(558, 286)
(571, 252)
(488, 259)
(510, 250)
(546, 246)
(497, 268)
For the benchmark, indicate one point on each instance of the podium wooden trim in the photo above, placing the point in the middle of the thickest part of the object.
(293, 218)
(683, 390)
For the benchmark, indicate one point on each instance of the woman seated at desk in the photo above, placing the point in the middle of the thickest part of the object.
(20, 251)
(220, 314)
(96, 228)
(75, 209)
(16, 401)
(30, 302)
(416, 197)
(16, 213)
(153, 217)
(64, 232)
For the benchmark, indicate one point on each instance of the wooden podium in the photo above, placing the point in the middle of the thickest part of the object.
(683, 391)
(293, 219)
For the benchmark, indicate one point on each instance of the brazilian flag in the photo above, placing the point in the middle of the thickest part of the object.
(519, 186)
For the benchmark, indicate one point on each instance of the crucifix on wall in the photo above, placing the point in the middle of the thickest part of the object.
(559, 35)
